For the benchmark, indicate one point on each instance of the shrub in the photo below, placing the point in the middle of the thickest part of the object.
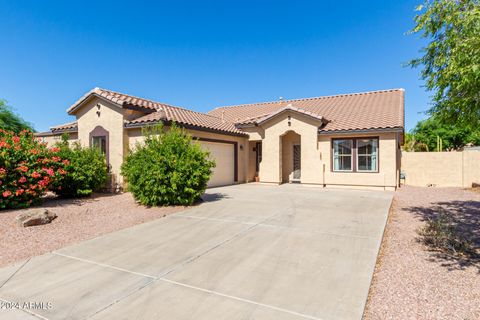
(441, 233)
(27, 169)
(168, 169)
(86, 170)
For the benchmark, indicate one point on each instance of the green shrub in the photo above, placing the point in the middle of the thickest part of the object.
(86, 170)
(27, 169)
(168, 169)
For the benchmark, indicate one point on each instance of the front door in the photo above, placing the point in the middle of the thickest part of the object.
(297, 162)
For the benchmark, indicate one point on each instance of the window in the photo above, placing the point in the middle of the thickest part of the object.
(342, 155)
(355, 155)
(367, 154)
(100, 143)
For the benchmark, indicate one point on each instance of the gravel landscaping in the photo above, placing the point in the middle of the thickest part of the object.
(77, 220)
(412, 281)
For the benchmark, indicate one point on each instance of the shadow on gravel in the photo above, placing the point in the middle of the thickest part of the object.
(53, 201)
(451, 232)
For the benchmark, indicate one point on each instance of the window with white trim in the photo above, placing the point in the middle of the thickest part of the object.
(342, 155)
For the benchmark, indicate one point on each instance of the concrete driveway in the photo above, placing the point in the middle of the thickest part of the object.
(248, 252)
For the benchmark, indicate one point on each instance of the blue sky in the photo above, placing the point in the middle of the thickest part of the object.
(203, 54)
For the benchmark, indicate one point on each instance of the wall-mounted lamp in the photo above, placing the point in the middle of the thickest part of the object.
(241, 147)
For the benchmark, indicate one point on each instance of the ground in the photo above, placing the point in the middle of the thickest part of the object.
(248, 252)
(413, 282)
(79, 219)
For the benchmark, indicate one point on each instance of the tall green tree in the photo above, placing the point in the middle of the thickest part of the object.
(10, 121)
(427, 133)
(451, 60)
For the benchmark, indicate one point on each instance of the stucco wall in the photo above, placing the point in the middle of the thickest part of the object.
(52, 139)
(271, 165)
(135, 136)
(316, 155)
(111, 118)
(387, 164)
(442, 169)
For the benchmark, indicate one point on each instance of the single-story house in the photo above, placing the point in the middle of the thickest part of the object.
(346, 140)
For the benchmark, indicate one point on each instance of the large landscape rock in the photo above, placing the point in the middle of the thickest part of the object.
(35, 217)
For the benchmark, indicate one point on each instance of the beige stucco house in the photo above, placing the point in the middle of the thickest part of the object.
(347, 140)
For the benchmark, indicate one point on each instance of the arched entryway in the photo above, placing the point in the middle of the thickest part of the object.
(291, 157)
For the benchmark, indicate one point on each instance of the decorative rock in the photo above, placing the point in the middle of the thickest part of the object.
(35, 217)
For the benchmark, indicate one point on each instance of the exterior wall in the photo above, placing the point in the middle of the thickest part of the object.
(50, 139)
(271, 165)
(386, 177)
(135, 136)
(111, 118)
(316, 153)
(442, 169)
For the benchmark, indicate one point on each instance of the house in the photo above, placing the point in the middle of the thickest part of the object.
(346, 140)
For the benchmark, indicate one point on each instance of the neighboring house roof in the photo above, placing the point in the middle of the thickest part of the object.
(356, 111)
(70, 126)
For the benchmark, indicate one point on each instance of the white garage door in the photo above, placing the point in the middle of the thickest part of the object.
(223, 154)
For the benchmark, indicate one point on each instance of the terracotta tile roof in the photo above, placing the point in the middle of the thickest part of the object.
(187, 117)
(71, 126)
(260, 119)
(118, 98)
(357, 111)
(160, 111)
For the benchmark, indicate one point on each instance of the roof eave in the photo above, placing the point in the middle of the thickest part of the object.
(369, 130)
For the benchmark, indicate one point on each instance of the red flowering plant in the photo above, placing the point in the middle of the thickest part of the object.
(27, 169)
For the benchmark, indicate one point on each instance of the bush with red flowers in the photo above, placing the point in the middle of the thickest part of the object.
(27, 169)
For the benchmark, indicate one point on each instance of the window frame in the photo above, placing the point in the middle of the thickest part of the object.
(354, 154)
(358, 155)
(351, 155)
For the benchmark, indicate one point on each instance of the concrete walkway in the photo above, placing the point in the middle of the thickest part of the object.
(248, 252)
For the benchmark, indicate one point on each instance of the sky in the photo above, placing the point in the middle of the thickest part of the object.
(204, 54)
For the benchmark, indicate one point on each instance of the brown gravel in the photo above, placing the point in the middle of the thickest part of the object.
(413, 282)
(77, 220)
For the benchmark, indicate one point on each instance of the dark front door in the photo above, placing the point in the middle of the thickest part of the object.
(297, 160)
(258, 156)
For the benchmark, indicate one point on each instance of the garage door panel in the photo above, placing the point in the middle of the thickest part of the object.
(224, 156)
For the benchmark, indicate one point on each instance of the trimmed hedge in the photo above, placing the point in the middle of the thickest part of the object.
(168, 169)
